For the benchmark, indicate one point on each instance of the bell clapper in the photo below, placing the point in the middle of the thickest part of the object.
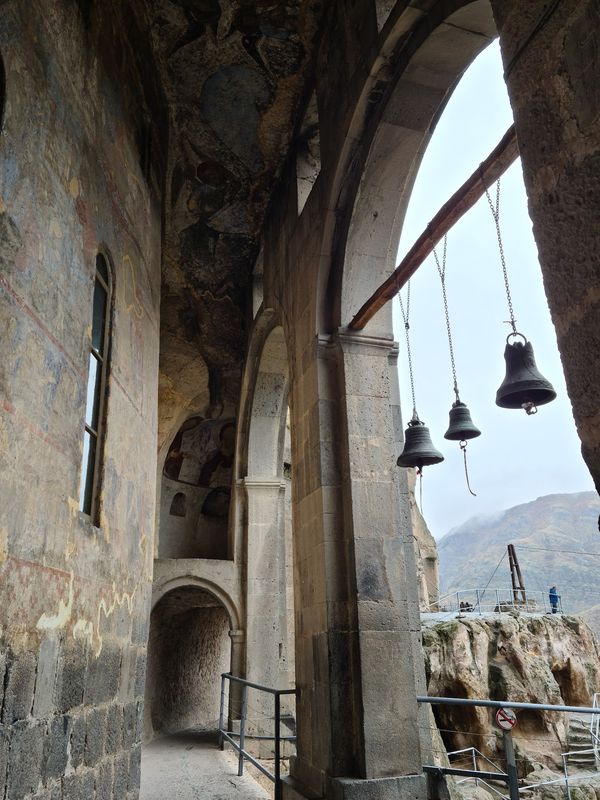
(463, 447)
(529, 408)
(461, 425)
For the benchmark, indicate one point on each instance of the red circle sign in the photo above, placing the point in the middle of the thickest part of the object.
(506, 718)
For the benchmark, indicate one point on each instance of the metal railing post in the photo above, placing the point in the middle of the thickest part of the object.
(222, 713)
(277, 746)
(566, 771)
(474, 764)
(243, 729)
(498, 600)
(511, 766)
(478, 600)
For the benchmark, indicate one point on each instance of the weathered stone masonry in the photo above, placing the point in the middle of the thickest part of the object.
(74, 609)
(161, 133)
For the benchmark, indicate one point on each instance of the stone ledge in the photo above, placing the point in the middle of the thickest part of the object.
(407, 787)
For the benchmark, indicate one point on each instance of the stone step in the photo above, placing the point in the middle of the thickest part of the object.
(577, 725)
(584, 721)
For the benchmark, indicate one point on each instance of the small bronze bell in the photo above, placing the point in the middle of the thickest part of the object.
(461, 425)
(418, 447)
(523, 386)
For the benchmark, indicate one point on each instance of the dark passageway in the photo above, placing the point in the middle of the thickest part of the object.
(188, 649)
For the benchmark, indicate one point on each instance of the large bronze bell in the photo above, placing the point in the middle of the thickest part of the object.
(418, 447)
(461, 425)
(523, 386)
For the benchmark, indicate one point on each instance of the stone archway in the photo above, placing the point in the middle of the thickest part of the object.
(359, 661)
(269, 596)
(189, 647)
(443, 49)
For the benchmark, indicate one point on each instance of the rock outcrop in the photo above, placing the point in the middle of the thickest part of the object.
(514, 657)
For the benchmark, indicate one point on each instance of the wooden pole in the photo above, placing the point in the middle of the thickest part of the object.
(488, 172)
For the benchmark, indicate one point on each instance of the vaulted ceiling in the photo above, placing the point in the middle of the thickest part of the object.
(234, 73)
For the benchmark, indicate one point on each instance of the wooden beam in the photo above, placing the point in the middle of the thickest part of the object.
(488, 172)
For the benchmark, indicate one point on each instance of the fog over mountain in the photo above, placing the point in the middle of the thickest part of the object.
(556, 539)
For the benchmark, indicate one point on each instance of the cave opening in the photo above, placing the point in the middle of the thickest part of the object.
(568, 690)
(458, 725)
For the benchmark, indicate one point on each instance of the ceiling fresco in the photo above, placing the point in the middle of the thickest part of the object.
(234, 73)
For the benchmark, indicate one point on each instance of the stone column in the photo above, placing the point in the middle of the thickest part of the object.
(237, 652)
(264, 578)
(358, 657)
(387, 594)
(552, 70)
(236, 668)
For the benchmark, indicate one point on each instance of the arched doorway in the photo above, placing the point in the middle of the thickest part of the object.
(189, 647)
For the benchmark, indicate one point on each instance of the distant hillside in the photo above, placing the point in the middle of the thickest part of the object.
(558, 523)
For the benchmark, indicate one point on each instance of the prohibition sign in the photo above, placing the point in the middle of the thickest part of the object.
(506, 718)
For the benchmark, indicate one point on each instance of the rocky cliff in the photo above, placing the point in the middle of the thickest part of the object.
(541, 659)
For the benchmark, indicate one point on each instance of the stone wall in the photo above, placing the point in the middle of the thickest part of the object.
(553, 74)
(76, 177)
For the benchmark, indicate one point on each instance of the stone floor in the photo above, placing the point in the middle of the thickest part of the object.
(189, 766)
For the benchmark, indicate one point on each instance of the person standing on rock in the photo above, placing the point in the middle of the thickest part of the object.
(553, 597)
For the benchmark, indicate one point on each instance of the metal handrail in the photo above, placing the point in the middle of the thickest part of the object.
(230, 736)
(500, 599)
(475, 755)
(595, 723)
(463, 701)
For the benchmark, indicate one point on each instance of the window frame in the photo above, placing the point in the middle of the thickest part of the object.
(100, 394)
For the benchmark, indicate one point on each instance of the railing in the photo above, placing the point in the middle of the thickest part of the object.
(595, 725)
(510, 776)
(230, 736)
(482, 601)
(474, 756)
(567, 779)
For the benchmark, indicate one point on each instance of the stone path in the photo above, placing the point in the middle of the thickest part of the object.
(189, 766)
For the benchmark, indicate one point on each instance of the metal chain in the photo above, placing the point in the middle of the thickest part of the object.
(496, 215)
(442, 273)
(406, 330)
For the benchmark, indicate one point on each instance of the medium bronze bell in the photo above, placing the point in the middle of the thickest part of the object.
(418, 447)
(461, 425)
(523, 386)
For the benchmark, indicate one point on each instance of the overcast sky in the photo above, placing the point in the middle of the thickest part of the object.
(517, 458)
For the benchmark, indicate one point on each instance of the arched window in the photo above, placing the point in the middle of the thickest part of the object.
(178, 505)
(89, 491)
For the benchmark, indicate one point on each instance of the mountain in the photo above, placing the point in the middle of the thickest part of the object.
(557, 542)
